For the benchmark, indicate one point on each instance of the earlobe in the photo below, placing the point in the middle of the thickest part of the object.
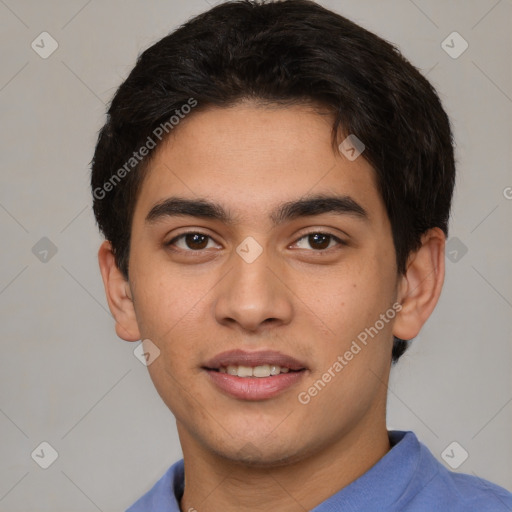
(420, 287)
(119, 295)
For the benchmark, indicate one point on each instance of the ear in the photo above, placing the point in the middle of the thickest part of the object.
(119, 297)
(420, 287)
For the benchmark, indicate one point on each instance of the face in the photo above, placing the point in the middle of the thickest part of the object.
(286, 286)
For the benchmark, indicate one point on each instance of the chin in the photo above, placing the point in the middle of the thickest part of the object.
(251, 455)
(258, 449)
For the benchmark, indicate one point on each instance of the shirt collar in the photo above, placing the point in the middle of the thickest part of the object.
(384, 484)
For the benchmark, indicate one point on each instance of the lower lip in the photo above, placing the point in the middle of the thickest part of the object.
(254, 388)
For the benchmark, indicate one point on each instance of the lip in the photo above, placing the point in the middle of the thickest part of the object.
(254, 388)
(245, 358)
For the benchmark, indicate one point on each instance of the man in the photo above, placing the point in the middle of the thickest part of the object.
(274, 185)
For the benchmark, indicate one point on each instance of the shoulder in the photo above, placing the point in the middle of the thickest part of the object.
(476, 494)
(442, 489)
(164, 495)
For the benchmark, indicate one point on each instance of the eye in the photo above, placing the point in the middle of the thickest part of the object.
(194, 241)
(320, 241)
(191, 241)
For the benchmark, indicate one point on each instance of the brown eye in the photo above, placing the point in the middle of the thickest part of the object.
(192, 241)
(320, 241)
(196, 241)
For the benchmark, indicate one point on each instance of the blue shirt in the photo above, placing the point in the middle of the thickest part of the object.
(407, 479)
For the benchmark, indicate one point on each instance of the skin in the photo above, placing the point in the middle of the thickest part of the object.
(311, 304)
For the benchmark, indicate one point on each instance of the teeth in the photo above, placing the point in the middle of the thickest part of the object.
(261, 371)
(265, 370)
(233, 370)
(244, 371)
(275, 370)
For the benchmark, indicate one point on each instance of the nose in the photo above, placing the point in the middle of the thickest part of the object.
(253, 295)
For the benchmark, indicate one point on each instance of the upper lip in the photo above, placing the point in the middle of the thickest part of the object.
(244, 358)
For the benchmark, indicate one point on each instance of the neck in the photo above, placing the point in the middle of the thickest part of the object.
(216, 483)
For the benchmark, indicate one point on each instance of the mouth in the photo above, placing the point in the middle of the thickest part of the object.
(261, 371)
(254, 375)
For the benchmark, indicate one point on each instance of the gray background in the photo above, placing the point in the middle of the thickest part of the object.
(68, 380)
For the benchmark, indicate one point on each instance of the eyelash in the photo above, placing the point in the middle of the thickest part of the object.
(339, 241)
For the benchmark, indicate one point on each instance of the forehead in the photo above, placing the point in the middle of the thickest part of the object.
(252, 158)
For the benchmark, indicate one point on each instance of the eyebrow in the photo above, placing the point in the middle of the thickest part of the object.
(305, 207)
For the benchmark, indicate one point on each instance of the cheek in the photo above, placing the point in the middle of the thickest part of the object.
(357, 293)
(171, 309)
(350, 304)
(164, 296)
